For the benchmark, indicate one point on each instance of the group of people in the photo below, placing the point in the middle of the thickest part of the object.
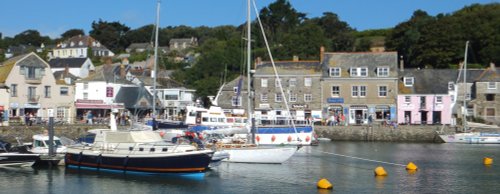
(336, 119)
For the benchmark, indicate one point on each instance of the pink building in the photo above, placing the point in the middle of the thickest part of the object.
(426, 96)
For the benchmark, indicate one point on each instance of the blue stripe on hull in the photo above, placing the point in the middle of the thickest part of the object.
(198, 175)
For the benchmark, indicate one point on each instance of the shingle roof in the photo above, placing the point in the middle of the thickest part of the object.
(105, 73)
(492, 74)
(427, 81)
(371, 60)
(67, 62)
(132, 97)
(289, 68)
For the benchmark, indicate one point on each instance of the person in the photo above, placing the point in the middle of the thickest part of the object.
(407, 119)
(342, 119)
(331, 120)
(30, 119)
(1, 118)
(90, 117)
(27, 118)
(370, 119)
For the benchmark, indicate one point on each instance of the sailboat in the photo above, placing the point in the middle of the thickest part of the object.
(254, 153)
(468, 136)
(137, 151)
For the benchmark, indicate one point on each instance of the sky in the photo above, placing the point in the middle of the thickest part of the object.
(54, 17)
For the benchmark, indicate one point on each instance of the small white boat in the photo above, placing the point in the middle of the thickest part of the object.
(245, 153)
(8, 157)
(472, 138)
(40, 146)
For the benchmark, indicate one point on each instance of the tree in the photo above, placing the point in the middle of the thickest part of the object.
(110, 34)
(280, 18)
(72, 32)
(30, 37)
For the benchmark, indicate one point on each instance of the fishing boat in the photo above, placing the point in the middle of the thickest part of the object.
(40, 145)
(467, 136)
(12, 157)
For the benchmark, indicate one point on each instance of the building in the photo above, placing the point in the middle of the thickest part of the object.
(80, 67)
(426, 96)
(139, 47)
(300, 81)
(79, 46)
(359, 85)
(181, 44)
(34, 90)
(4, 104)
(486, 104)
(232, 97)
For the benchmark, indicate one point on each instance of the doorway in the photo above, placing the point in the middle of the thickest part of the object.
(423, 117)
(407, 118)
(436, 117)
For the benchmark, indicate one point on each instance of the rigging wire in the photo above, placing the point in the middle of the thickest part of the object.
(358, 158)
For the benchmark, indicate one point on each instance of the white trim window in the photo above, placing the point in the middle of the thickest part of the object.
(85, 86)
(359, 72)
(451, 86)
(236, 101)
(492, 85)
(383, 71)
(362, 91)
(292, 82)
(407, 99)
(307, 82)
(382, 91)
(235, 89)
(263, 82)
(263, 97)
(335, 71)
(354, 91)
(293, 98)
(335, 90)
(307, 97)
(408, 81)
(278, 98)
(439, 99)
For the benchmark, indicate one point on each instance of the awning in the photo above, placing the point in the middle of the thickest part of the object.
(97, 106)
(1, 108)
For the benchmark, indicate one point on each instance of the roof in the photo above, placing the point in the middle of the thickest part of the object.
(67, 62)
(289, 68)
(427, 81)
(61, 75)
(134, 97)
(140, 45)
(106, 73)
(371, 60)
(7, 66)
(492, 74)
(29, 60)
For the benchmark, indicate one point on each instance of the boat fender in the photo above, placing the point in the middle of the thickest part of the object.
(324, 184)
(380, 171)
(257, 138)
(289, 138)
(411, 166)
(273, 138)
(487, 161)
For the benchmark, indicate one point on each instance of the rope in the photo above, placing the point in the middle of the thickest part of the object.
(378, 161)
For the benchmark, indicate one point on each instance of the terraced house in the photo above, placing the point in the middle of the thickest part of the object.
(361, 87)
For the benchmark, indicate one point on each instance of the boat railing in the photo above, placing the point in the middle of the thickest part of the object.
(146, 147)
(284, 122)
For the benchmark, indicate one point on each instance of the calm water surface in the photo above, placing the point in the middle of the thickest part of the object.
(443, 168)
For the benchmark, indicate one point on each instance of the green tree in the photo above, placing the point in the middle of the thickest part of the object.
(110, 34)
(31, 37)
(72, 32)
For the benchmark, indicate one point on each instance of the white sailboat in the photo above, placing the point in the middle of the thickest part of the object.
(467, 136)
(252, 153)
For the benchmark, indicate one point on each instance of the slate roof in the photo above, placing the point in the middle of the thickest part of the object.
(27, 60)
(427, 81)
(472, 75)
(69, 62)
(61, 75)
(289, 68)
(7, 66)
(371, 60)
(134, 46)
(131, 97)
(492, 74)
(106, 73)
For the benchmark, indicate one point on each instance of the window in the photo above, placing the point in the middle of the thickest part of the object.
(451, 86)
(263, 97)
(408, 81)
(362, 91)
(263, 83)
(236, 101)
(64, 91)
(492, 85)
(407, 99)
(13, 90)
(85, 86)
(490, 112)
(490, 97)
(278, 98)
(31, 73)
(307, 97)
(171, 97)
(307, 82)
(439, 99)
(292, 82)
(358, 91)
(61, 112)
(85, 96)
(293, 97)
(467, 96)
(383, 72)
(355, 91)
(335, 90)
(335, 72)
(277, 82)
(47, 92)
(382, 91)
(235, 89)
(31, 92)
(359, 72)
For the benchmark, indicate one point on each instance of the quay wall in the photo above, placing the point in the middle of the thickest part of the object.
(25, 133)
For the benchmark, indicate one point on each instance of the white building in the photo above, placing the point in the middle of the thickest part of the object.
(79, 46)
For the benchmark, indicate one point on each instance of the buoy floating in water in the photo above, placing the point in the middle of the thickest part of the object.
(411, 166)
(380, 171)
(324, 184)
(487, 161)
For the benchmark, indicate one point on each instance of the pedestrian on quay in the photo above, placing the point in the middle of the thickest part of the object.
(90, 118)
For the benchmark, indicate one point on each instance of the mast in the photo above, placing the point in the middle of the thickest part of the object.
(249, 60)
(153, 74)
(465, 88)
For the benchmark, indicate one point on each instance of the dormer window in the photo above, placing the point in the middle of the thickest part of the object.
(359, 72)
(408, 81)
(80, 43)
(383, 71)
(72, 44)
(335, 72)
(235, 89)
(492, 85)
(451, 86)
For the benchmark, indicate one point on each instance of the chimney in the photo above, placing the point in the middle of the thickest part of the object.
(492, 66)
(295, 58)
(66, 71)
(460, 65)
(258, 61)
(125, 61)
(122, 71)
(321, 53)
(401, 63)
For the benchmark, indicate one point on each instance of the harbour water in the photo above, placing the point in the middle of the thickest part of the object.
(443, 168)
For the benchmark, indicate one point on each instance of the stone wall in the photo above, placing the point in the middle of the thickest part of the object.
(25, 133)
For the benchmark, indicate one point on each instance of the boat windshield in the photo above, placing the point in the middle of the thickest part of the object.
(56, 142)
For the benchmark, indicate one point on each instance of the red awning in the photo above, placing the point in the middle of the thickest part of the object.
(97, 106)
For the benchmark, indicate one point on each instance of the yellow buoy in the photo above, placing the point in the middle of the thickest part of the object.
(380, 171)
(411, 166)
(487, 161)
(324, 184)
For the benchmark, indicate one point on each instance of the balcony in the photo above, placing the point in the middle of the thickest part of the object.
(33, 80)
(33, 99)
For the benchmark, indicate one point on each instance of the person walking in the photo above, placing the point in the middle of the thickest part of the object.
(90, 118)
